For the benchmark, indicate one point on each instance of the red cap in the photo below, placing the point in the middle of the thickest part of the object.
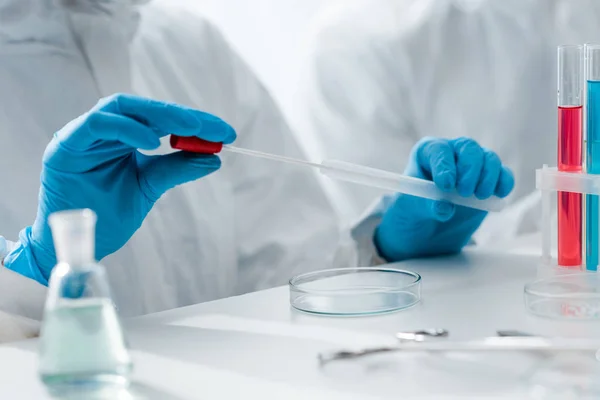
(195, 145)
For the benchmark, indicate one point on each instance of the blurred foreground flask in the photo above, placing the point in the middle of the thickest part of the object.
(82, 345)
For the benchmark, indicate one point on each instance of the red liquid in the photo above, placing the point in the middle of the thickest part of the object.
(570, 146)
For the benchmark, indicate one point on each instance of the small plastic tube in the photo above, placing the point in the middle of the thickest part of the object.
(570, 116)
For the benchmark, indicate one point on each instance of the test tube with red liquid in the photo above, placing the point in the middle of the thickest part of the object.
(570, 150)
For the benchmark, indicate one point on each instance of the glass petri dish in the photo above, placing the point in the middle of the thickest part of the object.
(567, 296)
(355, 291)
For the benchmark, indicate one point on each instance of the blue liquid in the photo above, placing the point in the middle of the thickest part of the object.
(593, 167)
(82, 346)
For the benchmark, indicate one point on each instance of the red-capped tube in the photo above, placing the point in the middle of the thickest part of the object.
(195, 145)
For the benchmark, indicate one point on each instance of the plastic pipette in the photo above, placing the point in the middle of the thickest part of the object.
(349, 172)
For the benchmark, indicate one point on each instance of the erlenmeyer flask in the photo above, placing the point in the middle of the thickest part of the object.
(81, 340)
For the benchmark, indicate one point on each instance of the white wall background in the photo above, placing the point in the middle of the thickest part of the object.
(268, 34)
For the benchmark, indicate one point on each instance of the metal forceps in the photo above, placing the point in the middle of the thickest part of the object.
(413, 336)
(420, 341)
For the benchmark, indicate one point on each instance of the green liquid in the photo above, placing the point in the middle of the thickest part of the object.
(82, 345)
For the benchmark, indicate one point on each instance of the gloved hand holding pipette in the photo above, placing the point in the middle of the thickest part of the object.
(416, 227)
(93, 162)
(412, 225)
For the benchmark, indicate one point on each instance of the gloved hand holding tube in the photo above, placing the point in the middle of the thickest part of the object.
(93, 162)
(416, 227)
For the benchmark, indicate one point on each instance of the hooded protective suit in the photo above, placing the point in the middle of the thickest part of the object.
(382, 74)
(243, 228)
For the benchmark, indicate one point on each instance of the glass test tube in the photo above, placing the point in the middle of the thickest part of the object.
(570, 115)
(592, 59)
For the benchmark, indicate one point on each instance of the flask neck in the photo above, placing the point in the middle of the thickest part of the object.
(73, 235)
(76, 250)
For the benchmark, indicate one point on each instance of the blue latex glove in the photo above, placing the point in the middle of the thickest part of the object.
(416, 227)
(93, 163)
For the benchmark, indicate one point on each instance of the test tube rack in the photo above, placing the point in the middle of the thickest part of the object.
(550, 181)
(571, 293)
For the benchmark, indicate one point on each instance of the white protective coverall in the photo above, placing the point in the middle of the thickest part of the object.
(381, 74)
(251, 225)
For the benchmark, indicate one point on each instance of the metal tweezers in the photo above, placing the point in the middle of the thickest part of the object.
(420, 341)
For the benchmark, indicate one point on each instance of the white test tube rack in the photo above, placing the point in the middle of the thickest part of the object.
(566, 293)
(550, 181)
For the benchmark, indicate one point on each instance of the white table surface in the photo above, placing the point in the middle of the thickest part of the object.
(256, 346)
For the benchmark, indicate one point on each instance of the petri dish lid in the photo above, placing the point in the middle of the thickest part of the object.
(355, 291)
(565, 296)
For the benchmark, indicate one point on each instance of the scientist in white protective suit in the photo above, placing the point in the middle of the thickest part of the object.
(250, 226)
(382, 74)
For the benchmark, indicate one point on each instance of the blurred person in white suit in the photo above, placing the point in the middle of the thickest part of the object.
(379, 75)
(250, 226)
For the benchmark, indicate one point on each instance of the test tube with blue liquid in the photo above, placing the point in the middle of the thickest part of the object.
(592, 57)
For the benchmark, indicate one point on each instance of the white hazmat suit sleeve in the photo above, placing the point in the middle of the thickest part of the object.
(21, 301)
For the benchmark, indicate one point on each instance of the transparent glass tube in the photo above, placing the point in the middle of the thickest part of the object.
(592, 68)
(570, 118)
(373, 177)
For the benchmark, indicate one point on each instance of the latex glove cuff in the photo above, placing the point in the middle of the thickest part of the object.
(23, 261)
